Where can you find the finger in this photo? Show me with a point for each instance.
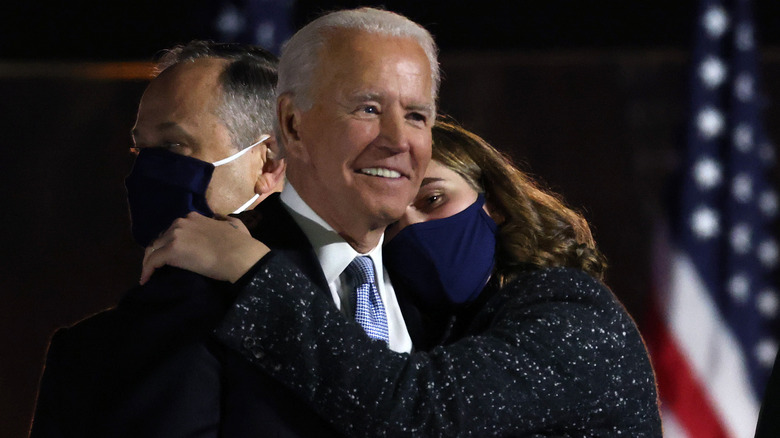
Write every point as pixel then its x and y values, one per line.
pixel 146 274
pixel 155 259
pixel 154 246
pixel 146 267
pixel 149 250
pixel 164 237
pixel 147 264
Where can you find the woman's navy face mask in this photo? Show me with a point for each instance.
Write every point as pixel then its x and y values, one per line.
pixel 445 261
pixel 446 249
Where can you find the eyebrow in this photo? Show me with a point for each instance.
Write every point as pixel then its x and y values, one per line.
pixel 360 96
pixel 430 180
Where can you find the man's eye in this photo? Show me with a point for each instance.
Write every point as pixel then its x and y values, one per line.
pixel 177 148
pixel 167 145
pixel 417 117
pixel 369 109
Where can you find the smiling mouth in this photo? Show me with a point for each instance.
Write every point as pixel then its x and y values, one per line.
pixel 380 172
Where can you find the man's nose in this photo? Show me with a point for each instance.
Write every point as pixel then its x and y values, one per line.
pixel 393 131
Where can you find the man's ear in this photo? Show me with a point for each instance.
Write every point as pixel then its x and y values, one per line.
pixel 289 121
pixel 271 177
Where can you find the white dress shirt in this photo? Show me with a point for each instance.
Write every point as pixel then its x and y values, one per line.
pixel 335 254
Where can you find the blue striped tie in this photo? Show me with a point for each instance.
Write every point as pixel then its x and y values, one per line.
pixel 366 301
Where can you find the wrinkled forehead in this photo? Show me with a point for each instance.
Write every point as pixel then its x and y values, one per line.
pixel 353 53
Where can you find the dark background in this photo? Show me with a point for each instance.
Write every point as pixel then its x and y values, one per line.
pixel 124 30
pixel 588 96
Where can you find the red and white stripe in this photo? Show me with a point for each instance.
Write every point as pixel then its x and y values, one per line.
pixel 702 379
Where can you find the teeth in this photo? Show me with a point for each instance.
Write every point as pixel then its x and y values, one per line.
pixel 377 171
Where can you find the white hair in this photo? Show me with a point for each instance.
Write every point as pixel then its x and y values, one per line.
pixel 300 55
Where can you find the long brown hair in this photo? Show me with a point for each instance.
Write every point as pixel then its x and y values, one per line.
pixel 535 226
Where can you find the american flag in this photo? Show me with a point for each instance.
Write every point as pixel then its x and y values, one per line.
pixel 267 23
pixel 713 332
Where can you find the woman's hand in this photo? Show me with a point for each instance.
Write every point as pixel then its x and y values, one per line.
pixel 221 249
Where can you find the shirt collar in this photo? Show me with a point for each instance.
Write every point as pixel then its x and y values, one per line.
pixel 333 252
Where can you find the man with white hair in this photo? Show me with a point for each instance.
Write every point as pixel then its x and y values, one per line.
pixel 357 95
pixel 357 101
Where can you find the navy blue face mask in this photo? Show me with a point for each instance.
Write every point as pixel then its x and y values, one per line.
pixel 445 261
pixel 164 186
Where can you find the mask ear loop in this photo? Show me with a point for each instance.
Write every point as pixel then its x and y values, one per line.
pixel 247 204
pixel 237 155
pixel 241 152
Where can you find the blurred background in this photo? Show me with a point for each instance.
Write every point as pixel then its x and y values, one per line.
pixel 593 98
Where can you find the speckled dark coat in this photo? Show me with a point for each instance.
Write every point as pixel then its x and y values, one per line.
pixel 552 354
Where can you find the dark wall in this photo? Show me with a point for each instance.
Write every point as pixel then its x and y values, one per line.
pixel 67 250
pixel 135 29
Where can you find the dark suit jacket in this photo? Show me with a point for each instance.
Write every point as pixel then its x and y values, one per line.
pixel 147 367
pixel 151 368
pixel 271 224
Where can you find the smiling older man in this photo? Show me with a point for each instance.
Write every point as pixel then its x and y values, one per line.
pixel 356 132
pixel 357 97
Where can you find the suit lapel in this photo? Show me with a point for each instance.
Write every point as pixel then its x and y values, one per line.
pixel 271 224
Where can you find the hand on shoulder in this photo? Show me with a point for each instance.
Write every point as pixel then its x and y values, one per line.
pixel 221 249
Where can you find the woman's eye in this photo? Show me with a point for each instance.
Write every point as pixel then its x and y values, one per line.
pixel 430 202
